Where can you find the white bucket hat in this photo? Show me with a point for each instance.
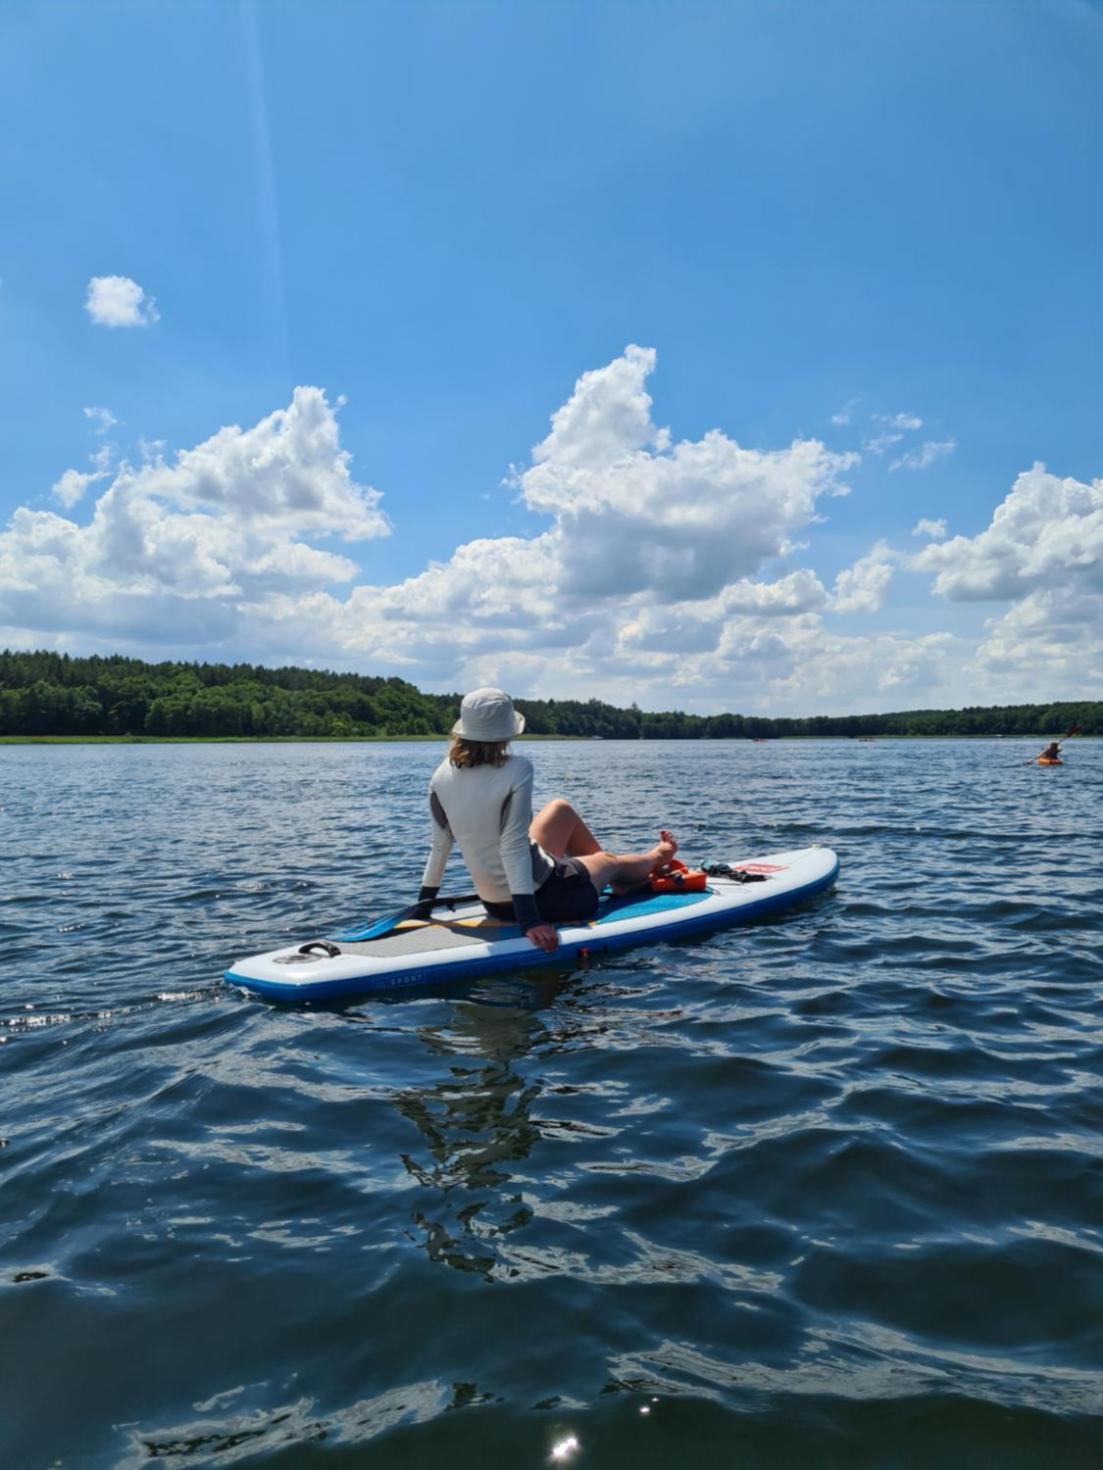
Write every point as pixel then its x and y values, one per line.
pixel 488 714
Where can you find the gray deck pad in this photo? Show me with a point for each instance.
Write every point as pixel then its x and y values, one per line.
pixel 431 937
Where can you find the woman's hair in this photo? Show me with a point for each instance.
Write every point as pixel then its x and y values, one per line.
pixel 465 753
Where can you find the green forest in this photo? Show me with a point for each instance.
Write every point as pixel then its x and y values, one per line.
pixel 51 694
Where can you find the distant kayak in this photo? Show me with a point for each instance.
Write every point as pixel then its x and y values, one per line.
pixel 459 942
pixel 1049 761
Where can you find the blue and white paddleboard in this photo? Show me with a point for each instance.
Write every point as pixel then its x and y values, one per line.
pixel 464 941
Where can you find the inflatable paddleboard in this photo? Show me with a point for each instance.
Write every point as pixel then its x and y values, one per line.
pixel 457 943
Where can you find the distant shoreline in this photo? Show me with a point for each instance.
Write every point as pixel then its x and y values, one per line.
pixel 88 700
pixel 522 740
pixel 245 739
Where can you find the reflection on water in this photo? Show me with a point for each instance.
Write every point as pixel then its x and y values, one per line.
pixel 475 1124
pixel 771 1197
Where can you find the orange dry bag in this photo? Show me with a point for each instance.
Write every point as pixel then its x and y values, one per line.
pixel 677 878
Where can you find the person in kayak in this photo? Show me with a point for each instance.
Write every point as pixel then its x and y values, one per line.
pixel 1052 752
pixel 536 872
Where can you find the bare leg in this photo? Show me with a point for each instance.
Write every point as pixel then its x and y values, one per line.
pixel 561 831
pixel 627 870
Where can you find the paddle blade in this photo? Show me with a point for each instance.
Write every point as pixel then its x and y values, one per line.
pixel 390 922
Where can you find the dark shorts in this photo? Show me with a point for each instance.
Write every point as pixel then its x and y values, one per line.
pixel 567 896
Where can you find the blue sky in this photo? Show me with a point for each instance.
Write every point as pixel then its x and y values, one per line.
pixel 447 214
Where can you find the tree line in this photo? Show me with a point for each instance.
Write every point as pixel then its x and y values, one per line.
pixel 55 694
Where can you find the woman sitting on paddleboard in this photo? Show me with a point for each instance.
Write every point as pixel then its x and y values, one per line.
pixel 535 872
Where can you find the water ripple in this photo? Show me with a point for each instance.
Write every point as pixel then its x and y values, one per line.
pixel 776 1196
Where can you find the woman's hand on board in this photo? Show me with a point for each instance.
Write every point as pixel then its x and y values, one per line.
pixel 545 937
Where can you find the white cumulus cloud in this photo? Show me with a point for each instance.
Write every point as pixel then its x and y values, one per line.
pixel 1043 554
pixel 636 522
pixel 634 511
pixel 70 487
pixel 286 475
pixel 117 301
pixel 936 530
pixel 172 550
pixel 883 671
pixel 863 587
pixel 1047 533
pixel 1057 631
pixel 663 570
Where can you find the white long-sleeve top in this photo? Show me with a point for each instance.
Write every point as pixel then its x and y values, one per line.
pixel 487 810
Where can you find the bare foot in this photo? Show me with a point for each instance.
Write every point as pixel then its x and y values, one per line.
pixel 656 859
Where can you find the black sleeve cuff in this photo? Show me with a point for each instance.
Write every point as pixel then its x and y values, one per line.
pixel 425 902
pixel 525 911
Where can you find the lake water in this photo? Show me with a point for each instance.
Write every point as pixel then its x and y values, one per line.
pixel 826 1191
